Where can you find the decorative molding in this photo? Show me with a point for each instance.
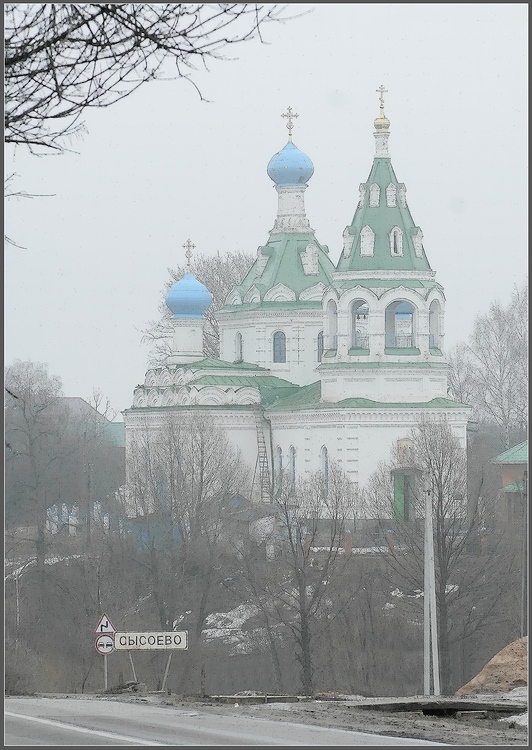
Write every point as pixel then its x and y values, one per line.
pixel 374 195
pixel 348 240
pixel 362 194
pixel 309 259
pixel 261 262
pixel 367 240
pixel 280 293
pixel 252 295
pixel 384 275
pixel 313 293
pixel 417 241
pixel 391 196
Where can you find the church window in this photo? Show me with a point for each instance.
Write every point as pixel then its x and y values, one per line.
pixel 402 196
pixel 391 196
pixel 279 468
pixel 279 347
pixel 367 241
pixel 362 192
pixel 374 195
pixel 325 469
pixel 238 347
pixel 399 321
pixel 359 325
pixel 396 241
pixel 292 467
pixel 320 346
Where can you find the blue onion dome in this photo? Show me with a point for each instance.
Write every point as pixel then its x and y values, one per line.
pixel 290 166
pixel 188 298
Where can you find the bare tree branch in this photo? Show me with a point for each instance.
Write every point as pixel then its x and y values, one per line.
pixel 62 58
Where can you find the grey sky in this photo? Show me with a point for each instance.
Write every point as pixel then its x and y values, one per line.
pixel 163 166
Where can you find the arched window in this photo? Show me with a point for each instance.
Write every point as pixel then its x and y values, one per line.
pixel 396 241
pixel 399 321
pixel 332 325
pixel 359 325
pixel 391 195
pixel 320 346
pixel 292 467
pixel 238 347
pixel 279 347
pixel 325 468
pixel 279 468
pixel 367 241
pixel 374 195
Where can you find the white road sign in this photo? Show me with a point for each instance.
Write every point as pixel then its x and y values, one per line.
pixel 104 644
pixel 104 625
pixel 151 641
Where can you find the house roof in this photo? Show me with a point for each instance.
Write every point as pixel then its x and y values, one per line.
pixel 516 455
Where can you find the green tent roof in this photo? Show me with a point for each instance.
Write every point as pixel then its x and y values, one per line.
pixel 285 266
pixel 382 219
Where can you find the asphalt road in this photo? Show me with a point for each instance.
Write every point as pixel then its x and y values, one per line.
pixel 78 721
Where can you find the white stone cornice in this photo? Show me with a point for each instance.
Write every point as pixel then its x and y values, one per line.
pixel 384 275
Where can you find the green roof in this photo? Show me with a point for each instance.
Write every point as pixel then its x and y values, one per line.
pixel 518 486
pixel 308 397
pixel 516 455
pixel 382 219
pixel 285 266
pixel 211 364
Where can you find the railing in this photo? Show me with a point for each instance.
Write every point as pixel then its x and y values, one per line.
pixel 399 341
pixel 360 341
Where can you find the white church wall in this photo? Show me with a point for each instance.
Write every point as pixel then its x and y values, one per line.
pixel 301 328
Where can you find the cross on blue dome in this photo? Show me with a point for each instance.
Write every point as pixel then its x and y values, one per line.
pixel 290 166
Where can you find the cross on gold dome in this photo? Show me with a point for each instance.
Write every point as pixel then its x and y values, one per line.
pixel 188 245
pixel 290 124
pixel 382 91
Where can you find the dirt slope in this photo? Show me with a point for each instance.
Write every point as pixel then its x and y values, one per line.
pixel 507 670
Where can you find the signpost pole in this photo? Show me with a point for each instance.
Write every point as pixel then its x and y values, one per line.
pixel 105 671
pixel 163 688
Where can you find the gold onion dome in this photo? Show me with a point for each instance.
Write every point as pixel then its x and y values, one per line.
pixel 381 122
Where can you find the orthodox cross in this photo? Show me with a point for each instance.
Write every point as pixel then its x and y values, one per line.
pixel 188 245
pixel 382 91
pixel 290 124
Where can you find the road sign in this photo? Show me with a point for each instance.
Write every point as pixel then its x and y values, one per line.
pixel 104 625
pixel 104 644
pixel 151 641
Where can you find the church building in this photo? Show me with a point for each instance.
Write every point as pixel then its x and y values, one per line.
pixel 319 361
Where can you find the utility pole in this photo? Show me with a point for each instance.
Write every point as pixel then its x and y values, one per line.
pixel 524 560
pixel 430 626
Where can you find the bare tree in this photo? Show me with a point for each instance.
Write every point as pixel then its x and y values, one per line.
pixel 219 274
pixel 35 444
pixel 62 58
pixel 303 585
pixel 471 580
pixel 491 371
pixel 178 477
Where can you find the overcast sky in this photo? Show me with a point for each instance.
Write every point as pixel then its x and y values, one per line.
pixel 162 166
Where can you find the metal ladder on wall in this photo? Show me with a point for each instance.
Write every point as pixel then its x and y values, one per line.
pixel 262 457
